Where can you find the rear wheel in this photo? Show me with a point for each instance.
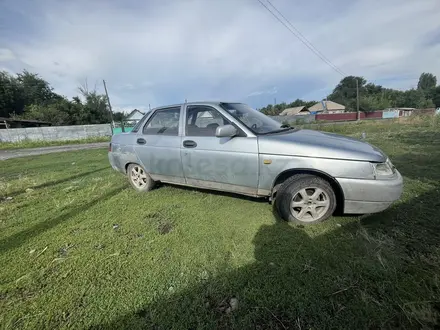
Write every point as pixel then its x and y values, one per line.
pixel 139 178
pixel 305 199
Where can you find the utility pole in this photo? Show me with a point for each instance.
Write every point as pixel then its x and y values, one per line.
pixel 274 101
pixel 109 106
pixel 357 100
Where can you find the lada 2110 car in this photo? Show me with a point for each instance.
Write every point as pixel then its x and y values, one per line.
pixel 232 147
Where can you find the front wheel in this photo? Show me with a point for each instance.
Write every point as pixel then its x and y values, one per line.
pixel 305 199
pixel 139 178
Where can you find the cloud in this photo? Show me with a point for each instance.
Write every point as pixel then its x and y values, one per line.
pixel 6 55
pixel 158 52
pixel 270 91
pixel 6 70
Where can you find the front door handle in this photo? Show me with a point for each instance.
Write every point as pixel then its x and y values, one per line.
pixel 141 141
pixel 189 144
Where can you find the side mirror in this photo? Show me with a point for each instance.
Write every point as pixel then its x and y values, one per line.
pixel 226 131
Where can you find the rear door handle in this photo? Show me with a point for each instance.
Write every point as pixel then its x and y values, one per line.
pixel 141 141
pixel 189 144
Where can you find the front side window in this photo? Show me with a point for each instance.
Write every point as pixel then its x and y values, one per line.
pixel 163 122
pixel 139 123
pixel 203 120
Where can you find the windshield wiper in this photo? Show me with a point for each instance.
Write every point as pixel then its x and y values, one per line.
pixel 282 129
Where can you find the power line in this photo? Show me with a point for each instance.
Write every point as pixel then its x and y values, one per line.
pixel 321 55
pixel 292 29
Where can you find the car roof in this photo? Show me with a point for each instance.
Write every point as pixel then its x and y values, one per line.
pixel 192 103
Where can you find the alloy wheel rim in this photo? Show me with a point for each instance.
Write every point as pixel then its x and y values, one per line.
pixel 309 204
pixel 138 176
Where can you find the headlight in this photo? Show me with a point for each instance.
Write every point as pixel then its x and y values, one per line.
pixel 383 169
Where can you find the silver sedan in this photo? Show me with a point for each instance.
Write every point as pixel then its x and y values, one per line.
pixel 232 147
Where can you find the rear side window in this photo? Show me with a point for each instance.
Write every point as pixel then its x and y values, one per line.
pixel 163 122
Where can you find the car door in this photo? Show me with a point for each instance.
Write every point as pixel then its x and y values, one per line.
pixel 158 145
pixel 227 163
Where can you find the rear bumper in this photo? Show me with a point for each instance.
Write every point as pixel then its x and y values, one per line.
pixel 114 163
pixel 370 196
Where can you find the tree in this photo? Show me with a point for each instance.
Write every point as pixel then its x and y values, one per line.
pixel 436 97
pixel 345 92
pixel 368 103
pixel 415 98
pixel 272 110
pixel 308 104
pixel 11 95
pixel 94 110
pixel 53 113
pixel 296 103
pixel 35 90
pixel 119 116
pixel 427 81
pixel 267 110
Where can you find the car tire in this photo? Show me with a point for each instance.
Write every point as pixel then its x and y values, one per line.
pixel 139 178
pixel 305 199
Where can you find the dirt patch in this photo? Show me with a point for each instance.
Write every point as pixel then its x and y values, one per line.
pixel 163 219
pixel 165 227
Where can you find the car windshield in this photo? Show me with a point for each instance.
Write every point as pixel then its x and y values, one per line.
pixel 253 119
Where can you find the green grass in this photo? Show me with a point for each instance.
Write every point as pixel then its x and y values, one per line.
pixel 43 143
pixel 80 249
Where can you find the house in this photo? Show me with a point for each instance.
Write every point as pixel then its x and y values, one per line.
pixel 405 112
pixel 295 111
pixel 135 116
pixel 327 107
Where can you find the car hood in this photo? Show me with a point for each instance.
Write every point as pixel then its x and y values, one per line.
pixel 308 143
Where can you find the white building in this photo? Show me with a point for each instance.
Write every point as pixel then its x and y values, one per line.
pixel 135 116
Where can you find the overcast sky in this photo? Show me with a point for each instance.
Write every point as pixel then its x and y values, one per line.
pixel 161 52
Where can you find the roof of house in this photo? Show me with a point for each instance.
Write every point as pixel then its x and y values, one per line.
pixel 293 111
pixel 326 106
pixel 134 112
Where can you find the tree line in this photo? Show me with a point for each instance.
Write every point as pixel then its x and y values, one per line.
pixel 28 96
pixel 373 97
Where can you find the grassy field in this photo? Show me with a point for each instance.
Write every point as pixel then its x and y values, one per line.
pixel 80 249
pixel 42 143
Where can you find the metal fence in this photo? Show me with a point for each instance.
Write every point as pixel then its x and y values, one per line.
pixel 350 116
pixel 299 119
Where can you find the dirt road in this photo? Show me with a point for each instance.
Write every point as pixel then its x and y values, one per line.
pixel 15 153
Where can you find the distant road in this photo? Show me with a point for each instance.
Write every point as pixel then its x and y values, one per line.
pixel 16 153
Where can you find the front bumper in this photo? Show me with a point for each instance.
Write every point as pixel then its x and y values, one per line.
pixel 370 196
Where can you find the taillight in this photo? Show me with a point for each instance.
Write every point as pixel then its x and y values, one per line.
pixel 110 147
